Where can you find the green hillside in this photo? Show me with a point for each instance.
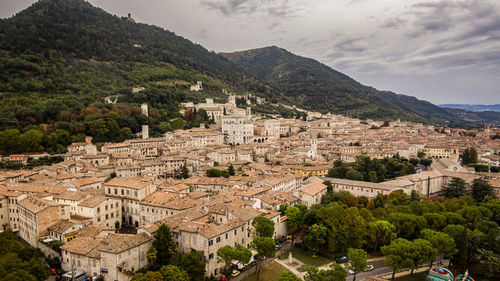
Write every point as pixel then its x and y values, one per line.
pixel 59 59
pixel 319 87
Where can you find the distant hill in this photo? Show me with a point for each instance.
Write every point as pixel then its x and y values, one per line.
pixel 478 118
pixel 319 87
pixel 473 107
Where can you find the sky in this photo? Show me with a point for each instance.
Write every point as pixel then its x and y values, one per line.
pixel 443 51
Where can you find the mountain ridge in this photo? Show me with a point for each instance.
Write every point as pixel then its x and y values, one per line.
pixel 318 86
pixel 472 107
pixel 59 59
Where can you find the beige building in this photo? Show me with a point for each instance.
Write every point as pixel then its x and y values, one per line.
pixel 311 194
pixel 237 130
pixel 36 215
pixel 130 192
pixel 102 209
pixel 116 256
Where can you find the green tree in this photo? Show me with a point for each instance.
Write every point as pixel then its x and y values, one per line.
pixel 226 255
pixel 335 273
pixel 407 225
pixel 455 188
pixel 354 175
pixel 358 261
pixel 242 254
pixel 263 227
pixel 164 245
pixel 295 219
pixel 231 170
pixel 32 140
pixel 460 236
pixel 183 174
pixel 288 276
pixel 315 237
pixel 173 273
pixel 19 275
pixel 426 162
pixel 265 248
pixel 193 263
pixel 442 242
pixel 414 161
pixel 11 141
pixel 373 176
pixel 469 156
pixel 471 214
pixel 148 276
pixel 338 220
pixel 435 221
pixel 421 252
pixel 380 233
pixel 480 189
pixel 398 255
pixel 489 263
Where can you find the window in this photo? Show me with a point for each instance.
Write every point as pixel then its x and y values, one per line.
pixel 210 256
pixel 210 242
pixel 217 240
pixel 226 235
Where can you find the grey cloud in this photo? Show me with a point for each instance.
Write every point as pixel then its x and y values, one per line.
pixel 203 33
pixel 396 22
pixel 266 8
pixel 232 7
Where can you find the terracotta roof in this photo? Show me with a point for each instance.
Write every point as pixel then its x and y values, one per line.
pixel 61 226
pixel 37 205
pixel 314 188
pixel 93 201
pixel 135 183
pixel 71 195
pixel 117 243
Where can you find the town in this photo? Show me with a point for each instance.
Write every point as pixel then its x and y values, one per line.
pixel 104 203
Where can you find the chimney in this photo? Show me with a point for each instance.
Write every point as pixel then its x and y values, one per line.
pixel 88 140
pixel 129 15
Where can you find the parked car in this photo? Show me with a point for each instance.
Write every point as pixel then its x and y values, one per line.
pixel 278 247
pixel 369 267
pixel 223 278
pixel 350 272
pixel 342 259
pixel 235 273
pixel 53 270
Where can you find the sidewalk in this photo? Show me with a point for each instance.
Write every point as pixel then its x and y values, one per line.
pixel 284 263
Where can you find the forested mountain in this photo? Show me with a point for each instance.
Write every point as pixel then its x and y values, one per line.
pixel 60 58
pixel 319 87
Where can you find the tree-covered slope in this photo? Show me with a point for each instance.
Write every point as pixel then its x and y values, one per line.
pixel 319 87
pixel 59 59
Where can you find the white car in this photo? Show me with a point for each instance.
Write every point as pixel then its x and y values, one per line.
pixel 368 268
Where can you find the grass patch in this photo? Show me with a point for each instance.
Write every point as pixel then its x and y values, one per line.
pixel 270 272
pixel 302 268
pixel 307 259
pixel 421 276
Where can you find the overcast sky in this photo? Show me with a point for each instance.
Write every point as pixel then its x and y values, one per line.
pixel 443 51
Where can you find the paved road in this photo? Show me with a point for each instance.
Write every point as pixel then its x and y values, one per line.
pixel 379 268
